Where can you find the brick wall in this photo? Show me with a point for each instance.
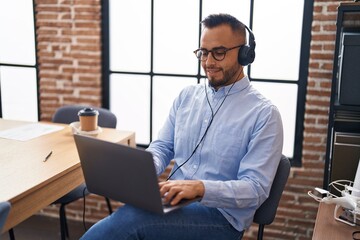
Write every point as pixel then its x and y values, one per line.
pixel 69 58
pixel 69 53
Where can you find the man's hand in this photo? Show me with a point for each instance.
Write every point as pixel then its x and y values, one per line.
pixel 175 190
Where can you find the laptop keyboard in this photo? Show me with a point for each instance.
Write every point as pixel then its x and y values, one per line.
pixel 165 204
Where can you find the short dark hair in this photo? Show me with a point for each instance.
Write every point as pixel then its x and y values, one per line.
pixel 214 20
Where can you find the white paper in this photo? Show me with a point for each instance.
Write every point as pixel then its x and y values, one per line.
pixel 29 131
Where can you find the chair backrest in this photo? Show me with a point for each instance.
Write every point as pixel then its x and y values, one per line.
pixel 265 214
pixel 4 211
pixel 69 114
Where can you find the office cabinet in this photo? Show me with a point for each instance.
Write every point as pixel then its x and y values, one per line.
pixel 343 139
pixel 349 70
pixel 346 156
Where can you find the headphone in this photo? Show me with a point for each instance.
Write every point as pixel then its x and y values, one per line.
pixel 247 52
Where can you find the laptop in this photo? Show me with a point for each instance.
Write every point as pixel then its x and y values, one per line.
pixel 122 173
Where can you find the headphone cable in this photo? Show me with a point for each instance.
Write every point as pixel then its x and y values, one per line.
pixel 84 195
pixel 208 126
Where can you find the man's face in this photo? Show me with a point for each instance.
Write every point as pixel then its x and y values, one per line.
pixel 228 70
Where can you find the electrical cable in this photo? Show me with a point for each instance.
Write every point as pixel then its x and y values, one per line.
pixel 208 126
pixel 85 228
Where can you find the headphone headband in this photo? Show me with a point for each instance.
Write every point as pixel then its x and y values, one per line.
pixel 247 52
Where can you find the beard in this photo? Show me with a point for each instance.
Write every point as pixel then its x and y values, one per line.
pixel 228 78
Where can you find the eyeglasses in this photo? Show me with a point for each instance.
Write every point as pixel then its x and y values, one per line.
pixel 218 53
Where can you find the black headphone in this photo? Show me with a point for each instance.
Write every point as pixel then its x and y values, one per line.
pixel 247 52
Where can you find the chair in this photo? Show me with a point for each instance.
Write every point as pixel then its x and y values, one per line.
pixel 265 214
pixel 68 114
pixel 4 212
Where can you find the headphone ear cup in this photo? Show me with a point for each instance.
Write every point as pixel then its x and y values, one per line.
pixel 246 55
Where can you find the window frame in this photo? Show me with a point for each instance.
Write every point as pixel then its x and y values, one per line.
pixel 35 66
pixel 301 82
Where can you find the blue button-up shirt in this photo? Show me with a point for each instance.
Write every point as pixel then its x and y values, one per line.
pixel 237 159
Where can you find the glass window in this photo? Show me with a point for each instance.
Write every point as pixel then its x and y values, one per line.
pixel 277 41
pixel 18 74
pixel 239 9
pixel 18 85
pixel 174 22
pixel 17 42
pixel 130 35
pixel 130 101
pixel 170 31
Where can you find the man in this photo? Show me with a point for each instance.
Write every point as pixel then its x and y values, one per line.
pixel 226 140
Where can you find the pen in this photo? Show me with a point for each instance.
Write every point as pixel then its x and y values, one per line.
pixel 47 157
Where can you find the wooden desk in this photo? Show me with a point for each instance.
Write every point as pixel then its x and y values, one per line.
pixel 327 228
pixel 31 184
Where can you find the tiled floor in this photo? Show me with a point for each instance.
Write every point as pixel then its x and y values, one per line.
pixel 45 228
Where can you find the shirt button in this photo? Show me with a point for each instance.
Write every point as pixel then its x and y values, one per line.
pixel 205 121
pixel 195 166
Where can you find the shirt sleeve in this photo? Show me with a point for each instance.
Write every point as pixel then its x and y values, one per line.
pixel 162 148
pixel 256 170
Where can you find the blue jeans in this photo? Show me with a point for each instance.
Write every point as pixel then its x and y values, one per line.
pixel 194 221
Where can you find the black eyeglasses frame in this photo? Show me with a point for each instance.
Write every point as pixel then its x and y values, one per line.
pixel 225 50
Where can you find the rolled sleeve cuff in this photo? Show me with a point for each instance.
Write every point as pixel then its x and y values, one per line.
pixel 211 193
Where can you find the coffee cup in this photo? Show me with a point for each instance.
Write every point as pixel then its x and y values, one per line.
pixel 88 119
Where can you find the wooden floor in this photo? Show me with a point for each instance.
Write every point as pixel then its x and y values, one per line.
pixel 45 228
